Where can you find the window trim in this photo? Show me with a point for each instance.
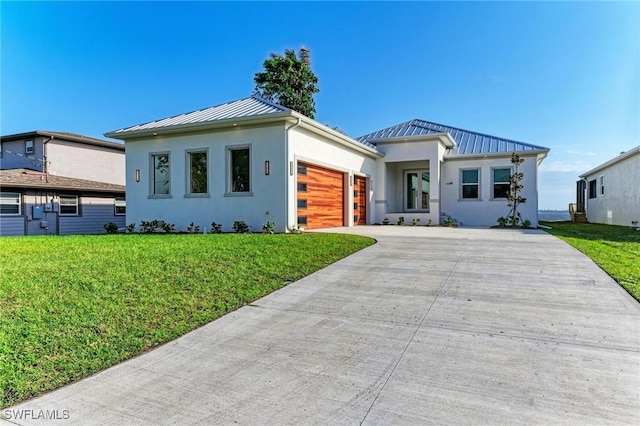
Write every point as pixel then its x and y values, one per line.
pixel 601 186
pixel 76 205
pixel 115 206
pixel 494 183
pixel 19 203
pixel 229 184
pixel 478 184
pixel 27 150
pixel 152 175
pixel 187 191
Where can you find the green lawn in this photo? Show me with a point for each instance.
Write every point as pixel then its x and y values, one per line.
pixel 615 248
pixel 71 306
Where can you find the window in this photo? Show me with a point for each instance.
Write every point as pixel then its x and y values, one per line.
pixel 302 220
pixel 29 147
pixel 240 170
pixel 601 185
pixel 198 174
pixel 302 187
pixel 302 204
pixel 120 207
pixel 302 169
pixel 501 184
pixel 470 184
pixel 417 190
pixel 68 205
pixel 160 170
pixel 592 189
pixel 10 203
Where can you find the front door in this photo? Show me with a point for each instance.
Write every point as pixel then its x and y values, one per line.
pixel 416 190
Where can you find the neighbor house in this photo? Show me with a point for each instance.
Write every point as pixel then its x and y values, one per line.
pixel 255 161
pixel 60 183
pixel 611 190
pixel 64 154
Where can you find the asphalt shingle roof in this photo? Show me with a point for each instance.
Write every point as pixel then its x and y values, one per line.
pixel 247 107
pixel 467 142
pixel 24 178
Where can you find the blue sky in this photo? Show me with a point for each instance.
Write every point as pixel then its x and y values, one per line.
pixel 561 75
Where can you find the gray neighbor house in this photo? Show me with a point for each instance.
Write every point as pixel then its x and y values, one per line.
pixel 60 183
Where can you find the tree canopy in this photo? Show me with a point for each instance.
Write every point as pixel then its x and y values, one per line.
pixel 289 81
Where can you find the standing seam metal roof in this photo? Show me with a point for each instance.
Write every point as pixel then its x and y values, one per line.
pixel 467 142
pixel 247 107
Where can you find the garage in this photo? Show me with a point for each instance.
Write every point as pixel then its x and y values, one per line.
pixel 320 197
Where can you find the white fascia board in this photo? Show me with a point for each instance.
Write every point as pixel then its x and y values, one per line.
pixel 624 156
pixel 338 137
pixel 540 154
pixel 190 127
pixel 443 137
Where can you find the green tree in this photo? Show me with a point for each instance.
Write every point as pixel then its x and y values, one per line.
pixel 289 81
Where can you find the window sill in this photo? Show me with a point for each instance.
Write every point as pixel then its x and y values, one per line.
pixel 159 196
pixel 238 194
pixel 503 199
pixel 464 200
pixel 197 195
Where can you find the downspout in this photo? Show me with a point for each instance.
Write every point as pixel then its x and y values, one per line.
pixel 287 170
pixel 45 160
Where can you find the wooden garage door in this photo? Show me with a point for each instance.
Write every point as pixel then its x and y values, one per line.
pixel 320 197
pixel 359 200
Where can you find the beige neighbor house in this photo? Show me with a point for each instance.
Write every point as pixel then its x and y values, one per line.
pixel 610 193
pixel 60 183
pixel 255 161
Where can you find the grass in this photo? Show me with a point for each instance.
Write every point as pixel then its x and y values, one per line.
pixel 616 249
pixel 71 306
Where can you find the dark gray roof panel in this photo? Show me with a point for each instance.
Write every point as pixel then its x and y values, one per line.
pixel 246 107
pixel 467 142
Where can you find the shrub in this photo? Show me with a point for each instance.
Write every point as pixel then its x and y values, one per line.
pixel 415 221
pixel 193 228
pixel 240 227
pixel 296 230
pixel 111 228
pixel 526 223
pixel 385 221
pixel 502 221
pixel 216 228
pixel 401 220
pixel 269 227
pixel 131 228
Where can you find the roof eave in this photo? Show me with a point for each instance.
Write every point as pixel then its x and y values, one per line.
pixel 61 187
pixel 629 153
pixel 205 125
pixel 541 154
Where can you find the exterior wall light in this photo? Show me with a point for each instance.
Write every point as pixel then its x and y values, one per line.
pixel 267 168
pixel 137 175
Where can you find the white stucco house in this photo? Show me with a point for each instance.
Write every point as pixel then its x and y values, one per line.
pixel 255 161
pixel 611 190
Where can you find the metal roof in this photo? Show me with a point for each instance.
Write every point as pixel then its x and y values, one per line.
pixel 25 178
pixel 73 137
pixel 247 107
pixel 467 142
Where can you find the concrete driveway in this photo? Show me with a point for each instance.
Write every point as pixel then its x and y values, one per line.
pixel 428 326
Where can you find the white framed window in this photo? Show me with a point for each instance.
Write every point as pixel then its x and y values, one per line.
pixel 120 207
pixel 601 185
pixel 160 174
pixel 68 205
pixel 239 170
pixel 10 204
pixel 197 172
pixel 29 147
pixel 501 182
pixel 470 184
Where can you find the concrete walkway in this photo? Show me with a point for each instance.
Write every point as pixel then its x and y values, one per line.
pixel 428 326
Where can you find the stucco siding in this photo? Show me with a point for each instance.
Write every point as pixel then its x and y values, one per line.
pixel 265 202
pixel 15 157
pixel 620 204
pixel 95 212
pixel 308 147
pixel 11 226
pixel 89 162
pixel 485 210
